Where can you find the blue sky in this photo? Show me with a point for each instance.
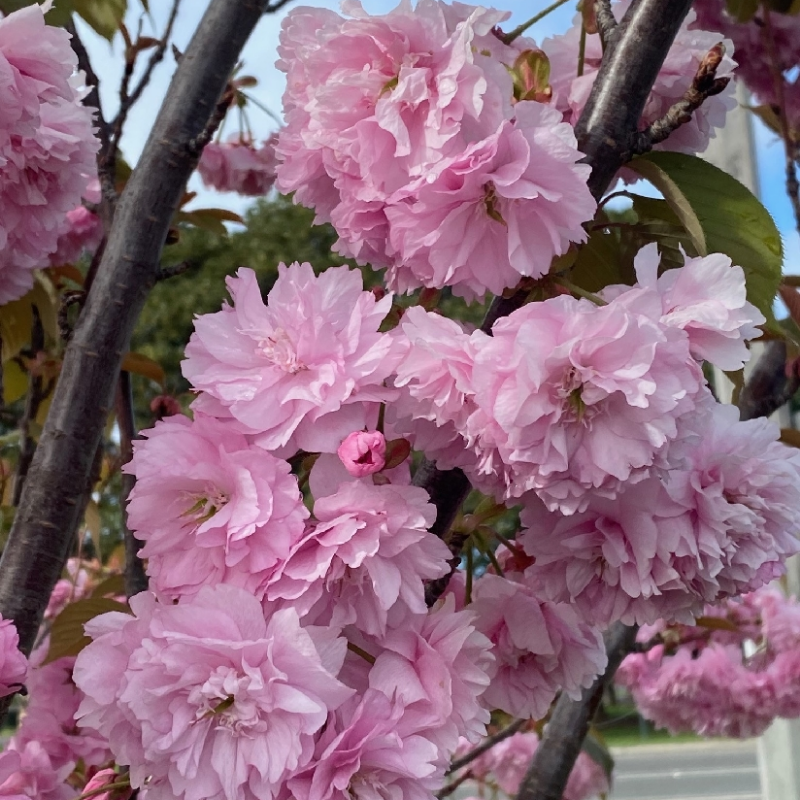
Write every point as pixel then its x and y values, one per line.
pixel 259 57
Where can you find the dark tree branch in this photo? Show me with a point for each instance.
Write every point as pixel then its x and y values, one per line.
pixel 33 401
pixel 630 65
pixel 93 98
pixel 563 737
pixel 135 576
pixel 768 386
pixel 487 744
pixel 52 502
pixel 704 85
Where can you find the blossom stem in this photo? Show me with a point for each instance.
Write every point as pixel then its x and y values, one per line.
pixel 354 648
pixel 576 290
pixel 109 787
pixel 468 586
pixel 520 29
pixel 582 51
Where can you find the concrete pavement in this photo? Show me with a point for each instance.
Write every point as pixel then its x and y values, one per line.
pixel 725 770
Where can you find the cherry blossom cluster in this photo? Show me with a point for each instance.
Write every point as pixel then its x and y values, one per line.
pixel 504 766
pixel 238 165
pixel 731 674
pixel 42 757
pixel 47 145
pixel 305 634
pixel 405 132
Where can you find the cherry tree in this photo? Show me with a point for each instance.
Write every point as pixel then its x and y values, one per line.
pixel 380 551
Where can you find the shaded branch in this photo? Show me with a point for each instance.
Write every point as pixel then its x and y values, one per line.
pixel 54 496
pixel 606 21
pixel 704 85
pixel 135 576
pixel 33 401
pixel 768 387
pixel 563 737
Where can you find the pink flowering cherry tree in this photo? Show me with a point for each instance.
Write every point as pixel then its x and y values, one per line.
pixel 377 550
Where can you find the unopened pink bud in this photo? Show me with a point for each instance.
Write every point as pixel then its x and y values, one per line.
pixel 363 453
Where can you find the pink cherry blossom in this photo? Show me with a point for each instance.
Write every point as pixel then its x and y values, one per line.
pixel 238 165
pixel 742 487
pixel 68 589
pixel 47 144
pixel 540 648
pixel 706 298
pixel 396 123
pixel 363 453
pixel 83 233
pixel 710 692
pixel 14 665
pixel 498 211
pixel 49 718
pixel 365 557
pixel 438 667
pixel 435 383
pixel 302 367
pixel 210 508
pixel 674 78
pixel 593 407
pixel 205 698
pixel 720 526
pixel 26 773
pixel 365 753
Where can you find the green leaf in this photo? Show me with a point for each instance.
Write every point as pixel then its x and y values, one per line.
pixel 15 382
pixel 599 262
pixel 114 584
pixel 209 219
pixel 104 16
pixel 742 10
pixel 677 199
pixel 141 364
pixel 66 635
pixel 657 222
pixel 732 219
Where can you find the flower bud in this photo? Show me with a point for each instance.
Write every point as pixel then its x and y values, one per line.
pixel 363 453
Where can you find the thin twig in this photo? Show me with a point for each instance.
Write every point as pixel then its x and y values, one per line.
pixel 93 98
pixel 128 100
pixel 704 85
pixel 449 788
pixel 487 744
pixel 520 29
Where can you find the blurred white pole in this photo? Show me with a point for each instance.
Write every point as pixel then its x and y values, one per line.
pixel 779 748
